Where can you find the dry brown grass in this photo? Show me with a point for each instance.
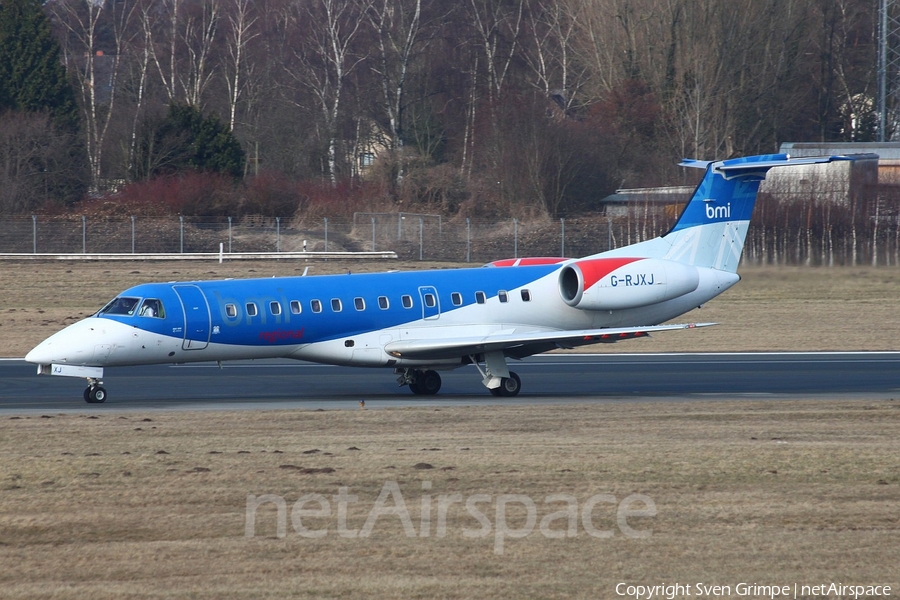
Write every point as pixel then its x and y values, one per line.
pixel 115 504
pixel 773 308
pixel 149 506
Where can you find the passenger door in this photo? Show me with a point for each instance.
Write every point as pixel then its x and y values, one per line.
pixel 196 317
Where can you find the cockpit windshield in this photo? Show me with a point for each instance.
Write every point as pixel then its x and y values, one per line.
pixel 152 307
pixel 120 306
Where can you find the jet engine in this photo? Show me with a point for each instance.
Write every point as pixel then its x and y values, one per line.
pixel 619 283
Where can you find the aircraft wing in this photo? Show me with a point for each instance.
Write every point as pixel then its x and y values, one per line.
pixel 519 344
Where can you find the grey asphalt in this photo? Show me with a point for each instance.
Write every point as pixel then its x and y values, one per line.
pixel 545 379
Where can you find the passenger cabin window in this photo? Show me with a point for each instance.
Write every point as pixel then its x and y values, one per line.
pixel 230 310
pixel 503 296
pixel 336 305
pixel 295 307
pixel 315 305
pixel 120 306
pixel 429 300
pixel 152 307
pixel 406 301
pixel 359 303
pixel 383 303
pixel 479 297
pixel 456 299
pixel 275 307
pixel 526 296
pixel 251 309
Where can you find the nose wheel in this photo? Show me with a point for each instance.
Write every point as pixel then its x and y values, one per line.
pixel 95 393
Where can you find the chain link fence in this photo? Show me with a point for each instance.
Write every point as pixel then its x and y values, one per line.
pixel 412 236
pixel 427 237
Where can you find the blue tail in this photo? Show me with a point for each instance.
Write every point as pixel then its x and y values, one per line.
pixel 713 226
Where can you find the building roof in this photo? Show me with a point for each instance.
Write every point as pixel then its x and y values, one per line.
pixel 887 151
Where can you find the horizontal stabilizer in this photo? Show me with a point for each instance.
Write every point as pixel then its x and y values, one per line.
pixel 753 163
pixel 695 164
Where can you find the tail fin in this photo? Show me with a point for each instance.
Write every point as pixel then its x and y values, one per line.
pixel 711 230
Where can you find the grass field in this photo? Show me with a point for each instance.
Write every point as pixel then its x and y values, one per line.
pixel 155 505
pixel 773 308
pixel 110 504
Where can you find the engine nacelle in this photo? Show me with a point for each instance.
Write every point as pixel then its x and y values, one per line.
pixel 619 283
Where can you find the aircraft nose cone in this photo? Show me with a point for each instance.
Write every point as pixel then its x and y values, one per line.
pixel 39 355
pixel 72 345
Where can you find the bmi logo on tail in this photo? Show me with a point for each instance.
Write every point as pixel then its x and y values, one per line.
pixel 717 212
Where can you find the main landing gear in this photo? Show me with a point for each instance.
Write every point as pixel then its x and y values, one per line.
pixel 421 383
pixel 94 393
pixel 496 377
pixel 509 386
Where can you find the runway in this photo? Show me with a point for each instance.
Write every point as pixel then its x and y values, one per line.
pixel 559 378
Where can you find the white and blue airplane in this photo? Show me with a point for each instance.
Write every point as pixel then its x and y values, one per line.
pixel 421 322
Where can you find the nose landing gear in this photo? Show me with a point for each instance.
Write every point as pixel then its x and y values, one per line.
pixel 94 393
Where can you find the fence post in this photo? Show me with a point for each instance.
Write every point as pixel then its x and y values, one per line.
pixel 277 234
pixel 132 234
pixel 83 234
pixel 421 224
pixel 468 240
pixel 34 232
pixel 373 234
pixel 609 233
pixel 181 220
pixel 515 238
pixel 562 244
pixel 229 235
pixel 326 234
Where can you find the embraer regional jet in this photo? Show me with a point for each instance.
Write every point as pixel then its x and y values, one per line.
pixel 421 322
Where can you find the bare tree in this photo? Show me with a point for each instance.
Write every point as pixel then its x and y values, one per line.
pixel 497 31
pixel 96 65
pixel 36 163
pixel 598 46
pixel 327 30
pixel 397 25
pixel 200 26
pixel 550 55
pixel 183 45
pixel 142 53
pixel 240 33
pixel 165 38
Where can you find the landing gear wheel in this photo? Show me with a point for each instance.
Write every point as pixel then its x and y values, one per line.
pixel 426 383
pixel 510 386
pixel 494 391
pixel 95 395
pixel 430 383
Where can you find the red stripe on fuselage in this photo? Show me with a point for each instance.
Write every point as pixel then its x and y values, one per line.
pixel 595 270
pixel 528 261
